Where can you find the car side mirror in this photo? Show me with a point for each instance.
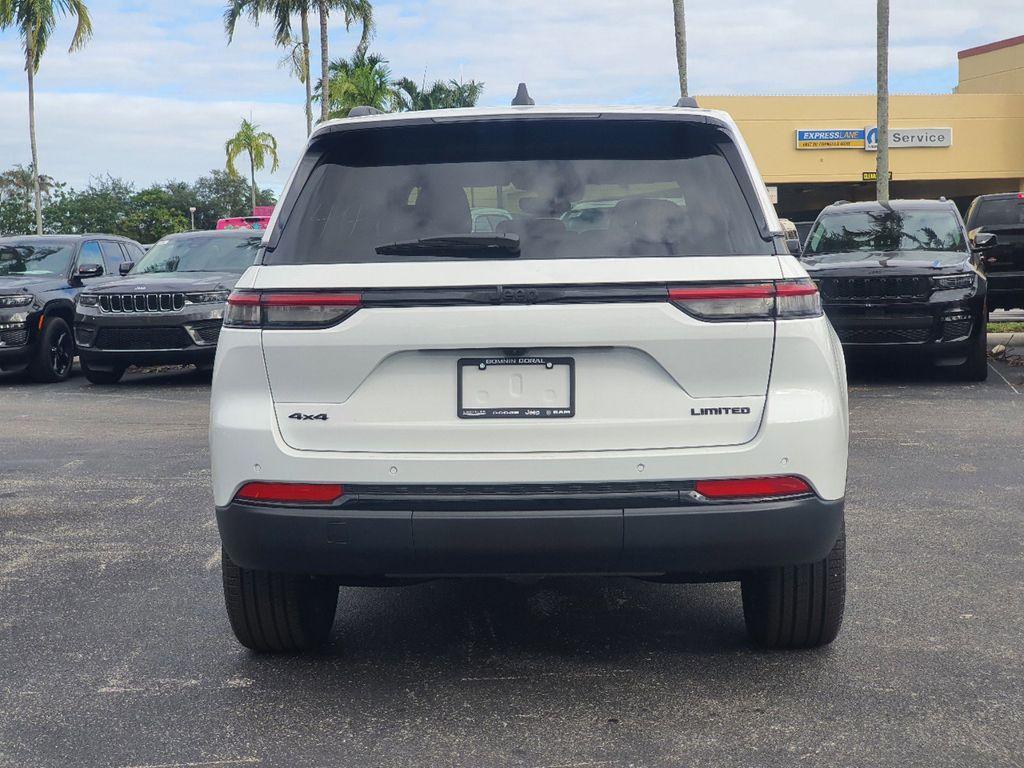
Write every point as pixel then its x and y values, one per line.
pixel 90 270
pixel 983 240
pixel 794 247
pixel 125 267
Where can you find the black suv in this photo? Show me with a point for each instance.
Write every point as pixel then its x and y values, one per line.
pixel 995 224
pixel 39 279
pixel 902 277
pixel 169 310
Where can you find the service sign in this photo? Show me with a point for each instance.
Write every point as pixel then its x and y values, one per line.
pixel 830 138
pixel 910 138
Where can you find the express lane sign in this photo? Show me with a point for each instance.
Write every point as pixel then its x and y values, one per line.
pixel 831 138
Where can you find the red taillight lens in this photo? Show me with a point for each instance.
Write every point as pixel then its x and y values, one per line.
pixel 748 301
pixel 752 487
pixel 291 493
pixel 307 309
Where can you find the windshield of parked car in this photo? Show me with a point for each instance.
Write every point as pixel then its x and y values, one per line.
pixel 1005 212
pixel 198 253
pixel 580 188
pixel 886 231
pixel 35 258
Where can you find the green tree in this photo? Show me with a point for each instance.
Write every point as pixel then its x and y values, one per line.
pixel 440 95
pixel 102 206
pixel 282 12
pixel 359 81
pixel 259 145
pixel 35 21
pixel 219 195
pixel 152 214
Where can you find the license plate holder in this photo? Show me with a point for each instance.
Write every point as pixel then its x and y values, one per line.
pixel 491 383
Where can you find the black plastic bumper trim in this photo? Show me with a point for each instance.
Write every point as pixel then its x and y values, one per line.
pixel 436 542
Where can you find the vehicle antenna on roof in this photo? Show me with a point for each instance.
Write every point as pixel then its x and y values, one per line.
pixel 687 101
pixel 523 98
pixel 363 111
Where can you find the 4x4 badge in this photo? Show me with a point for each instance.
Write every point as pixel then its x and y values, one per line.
pixel 308 416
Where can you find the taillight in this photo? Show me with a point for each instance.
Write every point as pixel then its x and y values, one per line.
pixel 748 301
pixel 290 493
pixel 280 309
pixel 752 487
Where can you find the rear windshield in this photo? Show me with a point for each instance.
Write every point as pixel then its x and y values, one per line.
pixel 35 258
pixel 565 188
pixel 881 231
pixel 1005 212
pixel 211 253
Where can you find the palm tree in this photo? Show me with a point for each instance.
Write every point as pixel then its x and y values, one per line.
pixel 35 21
pixel 353 10
pixel 357 82
pixel 882 98
pixel 282 11
pixel 679 13
pixel 440 95
pixel 259 145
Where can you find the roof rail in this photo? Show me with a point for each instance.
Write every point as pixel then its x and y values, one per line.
pixel 687 101
pixel 522 97
pixel 363 111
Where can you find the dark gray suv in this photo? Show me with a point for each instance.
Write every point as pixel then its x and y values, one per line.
pixel 169 309
pixel 40 276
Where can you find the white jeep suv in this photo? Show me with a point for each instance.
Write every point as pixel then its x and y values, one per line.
pixel 657 394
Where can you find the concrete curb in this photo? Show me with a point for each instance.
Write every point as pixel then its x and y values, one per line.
pixel 1013 340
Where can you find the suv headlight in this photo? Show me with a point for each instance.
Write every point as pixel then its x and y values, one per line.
pixel 207 297
pixel 88 299
pixel 21 300
pixel 953 282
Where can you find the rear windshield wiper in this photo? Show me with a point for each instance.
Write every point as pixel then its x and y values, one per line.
pixel 468 246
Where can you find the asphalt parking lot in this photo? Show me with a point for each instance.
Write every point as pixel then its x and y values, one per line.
pixel 115 651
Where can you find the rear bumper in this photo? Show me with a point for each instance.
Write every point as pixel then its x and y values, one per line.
pixel 705 539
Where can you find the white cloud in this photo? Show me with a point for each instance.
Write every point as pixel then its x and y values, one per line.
pixel 157 91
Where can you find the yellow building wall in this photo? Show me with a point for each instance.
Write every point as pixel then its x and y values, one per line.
pixel 997 71
pixel 988 135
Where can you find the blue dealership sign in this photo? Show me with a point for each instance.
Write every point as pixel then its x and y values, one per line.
pixel 830 138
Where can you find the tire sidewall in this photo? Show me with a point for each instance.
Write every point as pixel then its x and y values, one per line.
pixel 42 367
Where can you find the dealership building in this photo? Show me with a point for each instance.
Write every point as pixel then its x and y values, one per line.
pixel 814 150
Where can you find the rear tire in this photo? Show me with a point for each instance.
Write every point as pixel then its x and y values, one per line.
pixel 54 354
pixel 797 606
pixel 278 612
pixel 976 366
pixel 99 376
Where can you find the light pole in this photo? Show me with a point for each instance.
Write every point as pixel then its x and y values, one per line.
pixel 192 215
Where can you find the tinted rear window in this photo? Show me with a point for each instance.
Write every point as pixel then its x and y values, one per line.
pixel 1005 212
pixel 566 188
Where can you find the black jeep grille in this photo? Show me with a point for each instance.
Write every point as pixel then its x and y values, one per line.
pixel 142 338
pixel 142 302
pixel 867 288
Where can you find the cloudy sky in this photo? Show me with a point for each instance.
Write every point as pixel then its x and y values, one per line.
pixel 157 90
